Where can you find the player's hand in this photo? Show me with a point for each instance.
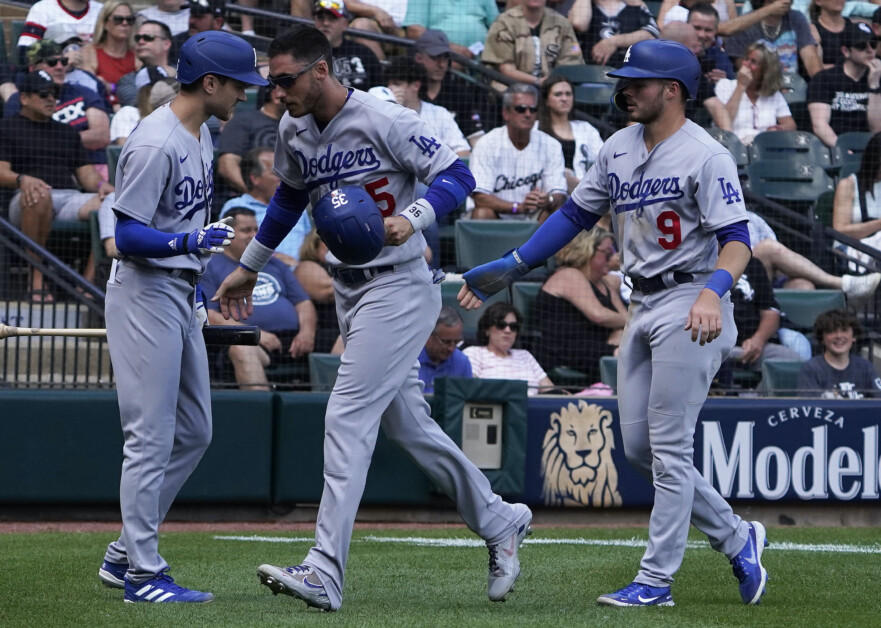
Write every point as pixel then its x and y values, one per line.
pixel 302 344
pixel 603 51
pixel 201 312
pixel 487 279
pixel 211 238
pixel 705 317
pixel 33 189
pixel 234 294
pixel 397 230
pixel 752 349
pixel 467 299
pixel 269 341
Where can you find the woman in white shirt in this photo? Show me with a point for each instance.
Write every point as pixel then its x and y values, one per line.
pixel 753 99
pixel 497 332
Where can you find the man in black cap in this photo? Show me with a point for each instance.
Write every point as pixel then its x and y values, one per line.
pixel 470 106
pixel 847 97
pixel 205 15
pixel 40 158
pixel 354 64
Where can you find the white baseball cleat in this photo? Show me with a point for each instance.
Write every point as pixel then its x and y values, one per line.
pixel 299 581
pixel 504 565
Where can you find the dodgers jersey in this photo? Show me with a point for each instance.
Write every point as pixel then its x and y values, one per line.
pixel 164 179
pixel 665 204
pixel 380 146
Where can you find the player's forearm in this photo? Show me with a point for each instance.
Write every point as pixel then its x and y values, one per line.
pixel 733 258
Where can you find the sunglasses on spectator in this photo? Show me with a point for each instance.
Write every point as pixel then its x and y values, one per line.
pixel 123 19
pixel 862 45
pixel 53 61
pixel 524 109
pixel 148 38
pixel 47 93
pixel 515 326
pixel 287 80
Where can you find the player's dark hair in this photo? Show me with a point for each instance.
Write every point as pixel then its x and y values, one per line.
pixel 834 320
pixel 235 212
pixel 404 69
pixel 493 315
pixel 544 112
pixel 304 43
pixel 870 165
pixel 704 8
pixel 251 164
pixel 195 86
pixel 166 32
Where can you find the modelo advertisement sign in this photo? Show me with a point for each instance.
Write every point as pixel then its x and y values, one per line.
pixel 749 449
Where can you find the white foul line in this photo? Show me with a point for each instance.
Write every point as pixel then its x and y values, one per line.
pixel 632 542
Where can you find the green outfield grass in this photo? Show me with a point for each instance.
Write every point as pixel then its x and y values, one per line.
pixel 49 579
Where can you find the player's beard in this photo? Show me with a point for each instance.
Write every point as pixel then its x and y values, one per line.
pixel 650 110
pixel 310 101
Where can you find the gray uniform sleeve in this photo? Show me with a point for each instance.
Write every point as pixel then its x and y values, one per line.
pixel 285 165
pixel 147 169
pixel 718 193
pixel 417 148
pixel 592 192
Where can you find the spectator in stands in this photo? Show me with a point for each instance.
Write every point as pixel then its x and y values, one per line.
pixel 527 42
pixel 262 182
pixel 313 273
pixel 758 319
pixel 847 97
pixel 175 14
pixel 714 62
pixel 77 106
pixel 378 16
pixel 827 26
pixel 111 54
pixel 205 15
pixel 614 27
pixel 354 64
pixel 494 356
pixel 753 100
pixel 282 309
pixel 80 15
pixel 152 43
pixel 247 130
pixel 580 140
pixel 66 36
pixel 579 311
pixel 470 106
pixel 405 78
pixel 41 159
pixel 150 97
pixel 788 34
pixel 792 271
pixel 729 22
pixel 441 356
pixel 465 22
pixel 836 373
pixel 857 208
pixel 519 170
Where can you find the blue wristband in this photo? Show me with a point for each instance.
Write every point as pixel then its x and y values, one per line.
pixel 720 282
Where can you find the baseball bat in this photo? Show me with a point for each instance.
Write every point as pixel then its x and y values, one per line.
pixel 213 334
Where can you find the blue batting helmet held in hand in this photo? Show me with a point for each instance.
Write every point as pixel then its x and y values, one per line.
pixel 349 223
pixel 219 53
pixel 661 59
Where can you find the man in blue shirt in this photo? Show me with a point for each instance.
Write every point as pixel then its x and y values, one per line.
pixel 441 357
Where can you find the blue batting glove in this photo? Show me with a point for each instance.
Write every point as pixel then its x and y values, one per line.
pixel 210 238
pixel 487 279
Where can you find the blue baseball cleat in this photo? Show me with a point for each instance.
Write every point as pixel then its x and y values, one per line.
pixel 112 575
pixel 747 565
pixel 162 589
pixel 636 594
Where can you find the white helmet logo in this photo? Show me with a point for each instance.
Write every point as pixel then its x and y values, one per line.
pixel 627 56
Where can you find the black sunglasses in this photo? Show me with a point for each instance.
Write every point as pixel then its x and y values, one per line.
pixel 515 326
pixel 287 80
pixel 53 61
pixel 524 109
pixel 47 93
pixel 862 45
pixel 123 19
pixel 147 38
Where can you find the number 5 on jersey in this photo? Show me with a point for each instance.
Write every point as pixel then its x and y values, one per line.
pixel 373 189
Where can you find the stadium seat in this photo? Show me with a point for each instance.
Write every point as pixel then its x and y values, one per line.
pixel 730 141
pixel 780 377
pixel 796 183
pixel 799 146
pixel 585 74
pixel 481 241
pixel 323 368
pixel 4 56
pixel 564 376
pixel 609 371
pixel 113 152
pixel 848 151
pixel 823 208
pixel 795 88
pixel 592 89
pixel 523 297
pixel 449 289
pixel 803 306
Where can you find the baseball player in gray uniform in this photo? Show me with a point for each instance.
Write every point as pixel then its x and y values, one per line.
pixel 333 136
pixel 163 204
pixel 681 227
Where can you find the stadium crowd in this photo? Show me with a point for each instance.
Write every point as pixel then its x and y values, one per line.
pixel 84 73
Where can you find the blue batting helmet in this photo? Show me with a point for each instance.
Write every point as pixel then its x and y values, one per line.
pixel 659 58
pixel 350 224
pixel 220 53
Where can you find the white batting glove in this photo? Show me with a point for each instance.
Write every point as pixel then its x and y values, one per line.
pixel 201 312
pixel 211 238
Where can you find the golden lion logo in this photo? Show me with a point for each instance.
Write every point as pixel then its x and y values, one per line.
pixel 577 458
